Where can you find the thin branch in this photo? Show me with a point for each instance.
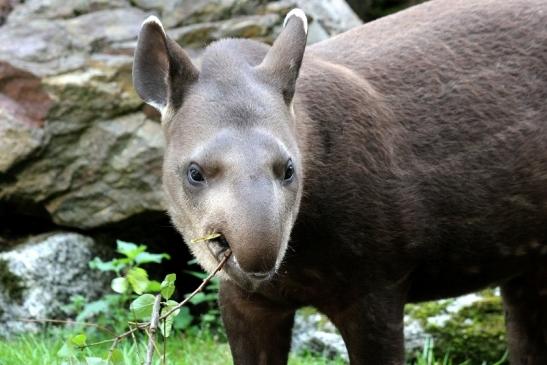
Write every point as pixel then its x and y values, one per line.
pixel 66 321
pixel 136 343
pixel 152 330
pixel 111 350
pixel 119 337
pixel 164 352
pixel 201 286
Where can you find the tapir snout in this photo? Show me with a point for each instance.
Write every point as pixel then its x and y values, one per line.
pixel 251 226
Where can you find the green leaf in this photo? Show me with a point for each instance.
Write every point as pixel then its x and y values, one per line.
pixel 167 324
pixel 168 286
pixel 146 257
pixel 96 361
pixel 117 357
pixel 120 285
pixel 79 340
pixel 130 250
pixel 153 286
pixel 98 264
pixel 138 278
pixel 142 307
pixel 125 248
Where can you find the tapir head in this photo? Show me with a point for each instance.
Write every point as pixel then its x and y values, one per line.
pixel 232 162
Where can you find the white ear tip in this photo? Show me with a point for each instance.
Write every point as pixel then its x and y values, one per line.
pixel 152 19
pixel 299 13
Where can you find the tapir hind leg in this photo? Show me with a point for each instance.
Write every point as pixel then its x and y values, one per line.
pixel 525 301
pixel 372 328
pixel 259 332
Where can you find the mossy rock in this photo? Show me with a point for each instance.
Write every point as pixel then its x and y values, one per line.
pixel 474 332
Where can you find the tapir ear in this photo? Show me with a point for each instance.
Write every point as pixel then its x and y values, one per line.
pixel 282 62
pixel 162 71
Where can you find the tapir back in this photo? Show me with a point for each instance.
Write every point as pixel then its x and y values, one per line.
pixel 450 97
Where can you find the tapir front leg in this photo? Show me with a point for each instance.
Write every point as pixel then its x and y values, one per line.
pixel 259 332
pixel 372 328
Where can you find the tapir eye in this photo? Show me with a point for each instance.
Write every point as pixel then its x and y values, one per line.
pixel 289 172
pixel 195 176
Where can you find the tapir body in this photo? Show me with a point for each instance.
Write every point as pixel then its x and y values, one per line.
pixel 402 161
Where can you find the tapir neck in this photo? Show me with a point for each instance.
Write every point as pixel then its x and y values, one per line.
pixel 350 146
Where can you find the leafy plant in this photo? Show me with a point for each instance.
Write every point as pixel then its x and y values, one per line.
pixel 138 303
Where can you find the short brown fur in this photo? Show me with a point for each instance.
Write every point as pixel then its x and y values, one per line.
pixel 423 173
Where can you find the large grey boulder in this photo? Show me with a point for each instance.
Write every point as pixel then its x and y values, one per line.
pixel 106 172
pixel 100 160
pixel 39 276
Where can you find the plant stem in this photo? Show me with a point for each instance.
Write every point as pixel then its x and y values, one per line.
pixel 152 330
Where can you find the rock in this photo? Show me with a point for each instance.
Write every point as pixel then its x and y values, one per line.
pixel 326 17
pixel 95 174
pixel 23 108
pixel 6 6
pixel 313 332
pixel 261 27
pixel 98 29
pixel 60 9
pixel 42 47
pixel 329 17
pixel 100 159
pixel 181 12
pixel 38 277
pixel 19 141
pixel 22 94
pixel 102 89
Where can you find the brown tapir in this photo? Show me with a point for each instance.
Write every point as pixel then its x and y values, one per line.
pixel 402 161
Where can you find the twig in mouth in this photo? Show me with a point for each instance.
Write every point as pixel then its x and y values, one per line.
pixel 208 237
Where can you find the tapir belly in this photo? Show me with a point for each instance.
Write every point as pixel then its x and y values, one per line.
pixel 437 280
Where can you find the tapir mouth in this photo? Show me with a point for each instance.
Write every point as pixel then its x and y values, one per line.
pixel 218 247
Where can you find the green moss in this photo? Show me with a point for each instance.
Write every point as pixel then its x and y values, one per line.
pixel 475 333
pixel 422 312
pixel 10 283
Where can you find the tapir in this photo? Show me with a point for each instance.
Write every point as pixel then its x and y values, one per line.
pixel 401 161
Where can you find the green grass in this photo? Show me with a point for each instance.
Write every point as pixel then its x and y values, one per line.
pixel 202 349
